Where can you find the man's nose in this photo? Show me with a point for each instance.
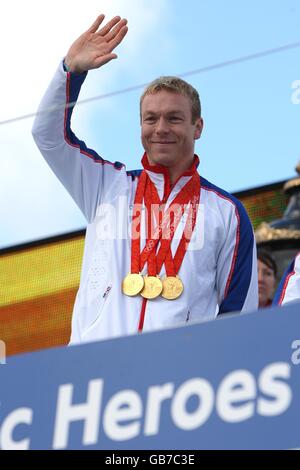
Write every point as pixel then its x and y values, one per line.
pixel 162 126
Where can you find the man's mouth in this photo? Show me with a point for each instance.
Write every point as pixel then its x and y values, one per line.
pixel 162 142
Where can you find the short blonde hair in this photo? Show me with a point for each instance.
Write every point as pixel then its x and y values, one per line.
pixel 175 85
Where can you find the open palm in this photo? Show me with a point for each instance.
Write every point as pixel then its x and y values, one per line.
pixel 94 48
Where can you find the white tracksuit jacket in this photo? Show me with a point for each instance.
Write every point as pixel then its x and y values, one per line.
pixel 289 287
pixel 219 270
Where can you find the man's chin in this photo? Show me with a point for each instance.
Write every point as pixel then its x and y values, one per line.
pixel 164 160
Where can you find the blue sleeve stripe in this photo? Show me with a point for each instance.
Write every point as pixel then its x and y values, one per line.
pixel 134 174
pixel 281 290
pixel 240 274
pixel 234 258
pixel 73 86
pixel 241 270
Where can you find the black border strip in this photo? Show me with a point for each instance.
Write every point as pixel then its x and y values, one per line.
pixel 43 241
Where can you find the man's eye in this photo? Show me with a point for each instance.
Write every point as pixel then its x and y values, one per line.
pixel 149 119
pixel 175 118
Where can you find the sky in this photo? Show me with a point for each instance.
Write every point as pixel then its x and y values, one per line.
pixel 251 109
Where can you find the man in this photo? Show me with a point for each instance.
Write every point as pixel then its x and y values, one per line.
pixel 190 252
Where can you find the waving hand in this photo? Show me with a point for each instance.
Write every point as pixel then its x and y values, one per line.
pixel 94 48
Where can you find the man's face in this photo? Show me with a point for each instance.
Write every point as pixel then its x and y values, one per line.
pixel 168 135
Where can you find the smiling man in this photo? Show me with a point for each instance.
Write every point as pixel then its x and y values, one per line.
pixel 185 252
pixel 171 122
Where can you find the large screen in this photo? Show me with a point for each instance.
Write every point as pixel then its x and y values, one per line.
pixel 264 204
pixel 37 291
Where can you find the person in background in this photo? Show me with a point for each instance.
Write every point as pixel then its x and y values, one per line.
pixel 266 271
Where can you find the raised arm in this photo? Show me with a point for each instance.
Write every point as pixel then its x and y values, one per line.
pixel 86 175
pixel 94 48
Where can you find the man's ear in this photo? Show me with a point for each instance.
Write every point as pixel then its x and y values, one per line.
pixel 198 128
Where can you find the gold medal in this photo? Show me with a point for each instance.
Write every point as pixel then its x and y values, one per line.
pixel 172 288
pixel 152 287
pixel 132 284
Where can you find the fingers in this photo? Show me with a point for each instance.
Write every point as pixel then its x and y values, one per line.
pixel 103 60
pixel 96 24
pixel 106 29
pixel 113 33
pixel 119 38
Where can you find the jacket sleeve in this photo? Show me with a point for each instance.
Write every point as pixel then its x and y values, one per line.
pixel 237 264
pixel 85 175
pixel 289 286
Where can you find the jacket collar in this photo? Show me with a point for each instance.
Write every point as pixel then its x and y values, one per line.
pixel 159 175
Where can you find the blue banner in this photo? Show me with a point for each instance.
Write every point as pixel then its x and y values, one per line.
pixel 233 383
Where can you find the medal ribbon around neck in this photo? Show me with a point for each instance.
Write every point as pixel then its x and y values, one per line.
pixel 165 254
pixel 134 283
pixel 172 285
